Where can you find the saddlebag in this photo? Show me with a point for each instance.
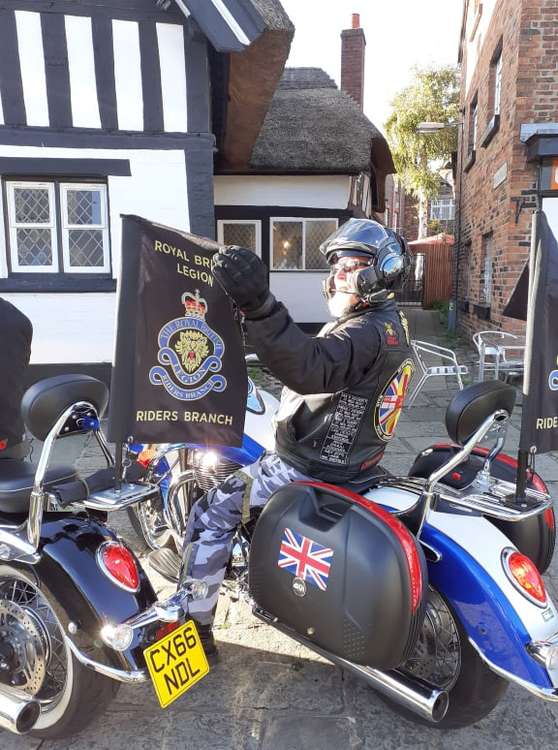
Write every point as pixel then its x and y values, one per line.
pixel 340 571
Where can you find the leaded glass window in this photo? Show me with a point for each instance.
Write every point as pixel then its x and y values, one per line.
pixel 32 226
pixel 57 227
pixel 242 232
pixel 85 228
pixel 296 243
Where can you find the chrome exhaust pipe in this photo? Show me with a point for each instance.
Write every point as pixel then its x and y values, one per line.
pixel 413 694
pixel 18 711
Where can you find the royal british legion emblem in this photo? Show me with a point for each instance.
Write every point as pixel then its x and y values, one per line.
pixel 190 351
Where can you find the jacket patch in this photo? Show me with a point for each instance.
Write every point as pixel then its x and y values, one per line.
pixel 390 401
pixel 405 326
pixel 391 335
pixel 343 428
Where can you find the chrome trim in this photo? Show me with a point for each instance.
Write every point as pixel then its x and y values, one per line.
pixel 434 552
pixel 38 497
pixel 491 501
pixel 132 677
pixel 541 651
pixel 507 552
pixel 174 505
pixel 104 446
pixel 106 571
pixel 422 699
pixel 547 694
pixel 427 499
pixel 118 499
pixel 14 539
pixel 18 711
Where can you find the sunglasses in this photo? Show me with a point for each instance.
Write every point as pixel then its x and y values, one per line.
pixel 348 265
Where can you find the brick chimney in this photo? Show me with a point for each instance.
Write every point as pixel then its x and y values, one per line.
pixel 353 45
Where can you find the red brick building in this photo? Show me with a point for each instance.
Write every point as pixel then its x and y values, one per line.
pixel 508 141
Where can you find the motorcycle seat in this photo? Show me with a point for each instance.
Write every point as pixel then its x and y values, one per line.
pixel 362 484
pixel 16 482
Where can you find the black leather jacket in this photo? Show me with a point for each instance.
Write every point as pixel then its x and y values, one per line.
pixel 16 333
pixel 344 388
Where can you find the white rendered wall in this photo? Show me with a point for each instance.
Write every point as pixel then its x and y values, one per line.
pixel 309 192
pixel 80 327
pixel 69 327
pixel 301 293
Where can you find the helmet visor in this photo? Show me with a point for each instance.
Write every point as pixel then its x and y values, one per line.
pixel 362 235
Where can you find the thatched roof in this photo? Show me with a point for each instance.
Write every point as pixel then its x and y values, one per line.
pixel 273 14
pixel 312 126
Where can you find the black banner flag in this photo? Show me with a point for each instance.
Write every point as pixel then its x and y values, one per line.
pixel 539 424
pixel 179 374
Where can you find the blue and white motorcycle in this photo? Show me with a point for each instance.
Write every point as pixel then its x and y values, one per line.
pixel 488 619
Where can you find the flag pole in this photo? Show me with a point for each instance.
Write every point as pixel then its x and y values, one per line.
pixel 524 455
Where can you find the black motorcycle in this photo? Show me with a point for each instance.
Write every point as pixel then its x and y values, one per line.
pixel 78 615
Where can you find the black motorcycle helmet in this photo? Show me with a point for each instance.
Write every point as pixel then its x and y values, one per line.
pixel 387 255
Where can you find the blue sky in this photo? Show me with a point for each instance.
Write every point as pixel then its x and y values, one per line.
pixel 400 34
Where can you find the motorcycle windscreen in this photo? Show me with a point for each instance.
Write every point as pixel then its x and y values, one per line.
pixel 179 373
pixel 337 570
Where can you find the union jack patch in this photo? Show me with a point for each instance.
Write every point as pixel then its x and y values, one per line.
pixel 305 559
pixel 390 402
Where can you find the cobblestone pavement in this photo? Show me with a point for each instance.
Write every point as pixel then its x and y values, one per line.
pixel 268 693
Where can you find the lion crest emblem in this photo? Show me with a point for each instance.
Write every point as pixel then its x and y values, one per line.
pixel 190 354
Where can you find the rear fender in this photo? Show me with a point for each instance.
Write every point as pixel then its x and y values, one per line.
pixel 80 593
pixel 497 618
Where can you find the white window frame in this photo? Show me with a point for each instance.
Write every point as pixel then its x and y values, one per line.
pixel 498 84
pixel 487 260
pixel 257 222
pixel 442 203
pixel 304 220
pixel 65 188
pixel 14 226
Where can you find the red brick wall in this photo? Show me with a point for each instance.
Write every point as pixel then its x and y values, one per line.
pixel 353 45
pixel 529 33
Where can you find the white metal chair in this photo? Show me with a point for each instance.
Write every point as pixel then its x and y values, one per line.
pixel 424 353
pixel 499 351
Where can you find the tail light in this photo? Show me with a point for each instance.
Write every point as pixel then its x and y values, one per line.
pixel 165 630
pixel 548 516
pixel 118 564
pixel 524 575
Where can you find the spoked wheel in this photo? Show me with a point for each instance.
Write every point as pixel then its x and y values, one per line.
pixel 35 658
pixel 150 524
pixel 444 658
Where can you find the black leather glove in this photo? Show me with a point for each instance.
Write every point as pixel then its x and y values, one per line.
pixel 243 276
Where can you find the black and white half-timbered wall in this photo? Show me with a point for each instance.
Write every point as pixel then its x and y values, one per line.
pixel 110 107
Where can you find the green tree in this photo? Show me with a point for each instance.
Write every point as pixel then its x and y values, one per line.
pixel 432 96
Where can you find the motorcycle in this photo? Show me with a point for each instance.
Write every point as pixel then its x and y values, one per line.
pixel 410 586
pixel 68 583
pixel 488 620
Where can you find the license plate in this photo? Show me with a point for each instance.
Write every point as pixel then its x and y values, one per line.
pixel 176 663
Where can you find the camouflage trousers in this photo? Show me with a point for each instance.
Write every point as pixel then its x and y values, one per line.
pixel 214 519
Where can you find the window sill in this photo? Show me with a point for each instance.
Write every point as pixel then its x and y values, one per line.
pixel 471 159
pixel 491 130
pixel 54 283
pixel 482 311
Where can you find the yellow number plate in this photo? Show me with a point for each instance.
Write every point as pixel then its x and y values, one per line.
pixel 176 663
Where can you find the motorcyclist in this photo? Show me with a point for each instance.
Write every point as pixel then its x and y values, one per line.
pixel 16 333
pixel 343 393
